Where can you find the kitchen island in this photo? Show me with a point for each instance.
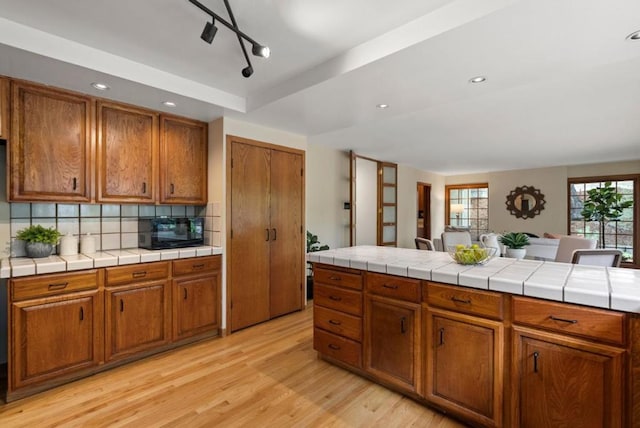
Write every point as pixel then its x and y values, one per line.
pixel 510 343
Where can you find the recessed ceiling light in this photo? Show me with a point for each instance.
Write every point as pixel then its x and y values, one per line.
pixel 169 103
pixel 634 36
pixel 100 86
pixel 477 79
pixel 382 105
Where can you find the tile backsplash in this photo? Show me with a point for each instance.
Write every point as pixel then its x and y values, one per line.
pixel 115 226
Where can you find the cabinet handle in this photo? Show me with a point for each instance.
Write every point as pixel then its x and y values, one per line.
pixel 81 313
pixel 535 361
pixel 59 286
pixel 334 322
pixel 185 293
pixel 551 317
pixel 334 347
pixel 391 286
pixel 198 266
pixel 441 331
pixel 140 274
pixel 335 298
pixel 121 305
pixel 267 234
pixel 75 183
pixel 465 301
pixel 172 188
pixel 275 236
pixel 144 187
pixel 403 327
pixel 335 278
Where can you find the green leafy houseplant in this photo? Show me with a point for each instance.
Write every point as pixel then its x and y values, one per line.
pixel 39 241
pixel 604 204
pixel 515 240
pixel 313 245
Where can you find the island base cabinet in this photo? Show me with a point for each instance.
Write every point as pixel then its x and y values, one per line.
pixel 54 337
pixel 465 366
pixel 568 382
pixel 137 318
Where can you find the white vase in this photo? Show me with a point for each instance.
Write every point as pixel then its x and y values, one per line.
pixel 516 253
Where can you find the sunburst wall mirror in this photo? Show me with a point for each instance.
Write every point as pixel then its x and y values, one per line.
pixel 525 202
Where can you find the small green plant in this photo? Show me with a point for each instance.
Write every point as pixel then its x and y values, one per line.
pixel 604 204
pixel 313 244
pixel 38 233
pixel 514 240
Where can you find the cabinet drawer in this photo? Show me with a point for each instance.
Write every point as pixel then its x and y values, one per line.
pixel 338 299
pixel 338 322
pixel 196 265
pixel 51 285
pixel 476 302
pixel 337 347
pixel 136 273
pixel 570 319
pixel 394 287
pixel 338 278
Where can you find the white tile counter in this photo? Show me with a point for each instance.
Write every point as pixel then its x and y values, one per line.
pixel 603 287
pixel 23 266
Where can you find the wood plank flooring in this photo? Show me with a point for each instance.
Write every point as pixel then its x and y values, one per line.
pixel 264 376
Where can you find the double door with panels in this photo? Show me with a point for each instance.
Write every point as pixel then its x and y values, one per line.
pixel 266 260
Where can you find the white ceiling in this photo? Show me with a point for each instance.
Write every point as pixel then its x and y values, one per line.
pixel 563 84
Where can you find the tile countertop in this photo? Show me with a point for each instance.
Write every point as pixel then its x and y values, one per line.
pixel 602 287
pixel 24 266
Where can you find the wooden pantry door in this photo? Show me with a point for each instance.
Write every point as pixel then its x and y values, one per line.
pixel 249 242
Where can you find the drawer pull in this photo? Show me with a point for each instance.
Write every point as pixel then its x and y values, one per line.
pixel 334 347
pixel 535 361
pixel 140 274
pixel 551 317
pixel 59 286
pixel 198 266
pixel 465 301
pixel 390 286
pixel 335 298
pixel 334 322
pixel 335 278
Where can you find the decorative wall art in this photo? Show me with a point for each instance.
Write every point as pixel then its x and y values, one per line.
pixel 525 202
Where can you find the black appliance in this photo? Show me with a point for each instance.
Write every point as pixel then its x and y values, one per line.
pixel 170 232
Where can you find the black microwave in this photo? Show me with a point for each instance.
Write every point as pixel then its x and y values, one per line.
pixel 170 232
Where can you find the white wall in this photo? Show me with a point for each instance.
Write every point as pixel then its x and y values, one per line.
pixel 552 182
pixel 366 202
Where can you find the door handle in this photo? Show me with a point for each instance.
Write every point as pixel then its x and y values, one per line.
pixel 81 314
pixel 172 188
pixel 403 327
pixel 144 187
pixel 275 236
pixel 121 305
pixel 441 336
pixel 185 293
pixel 75 183
pixel 267 234
pixel 535 361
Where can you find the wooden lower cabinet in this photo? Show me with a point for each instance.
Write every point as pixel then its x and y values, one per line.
pixel 464 365
pixel 137 318
pixel 563 381
pixel 392 341
pixel 54 337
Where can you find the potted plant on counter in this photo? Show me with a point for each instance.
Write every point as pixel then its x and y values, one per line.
pixel 313 244
pixel 39 241
pixel 515 243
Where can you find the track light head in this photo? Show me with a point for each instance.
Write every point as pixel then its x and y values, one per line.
pixel 209 32
pixel 259 50
pixel 247 71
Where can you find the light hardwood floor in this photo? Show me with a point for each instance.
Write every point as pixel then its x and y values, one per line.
pixel 264 376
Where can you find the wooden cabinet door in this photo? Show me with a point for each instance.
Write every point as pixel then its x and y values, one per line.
pixel 392 341
pixel 53 337
pixel 286 218
pixel 250 235
pixel 127 153
pixel 183 161
pixel 196 305
pixel 137 318
pixel 4 108
pixel 50 151
pixel 465 365
pixel 563 381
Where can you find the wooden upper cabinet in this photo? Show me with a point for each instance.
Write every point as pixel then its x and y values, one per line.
pixel 51 140
pixel 4 108
pixel 183 161
pixel 127 155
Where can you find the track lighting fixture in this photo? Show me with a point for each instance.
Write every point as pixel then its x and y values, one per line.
pixel 210 30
